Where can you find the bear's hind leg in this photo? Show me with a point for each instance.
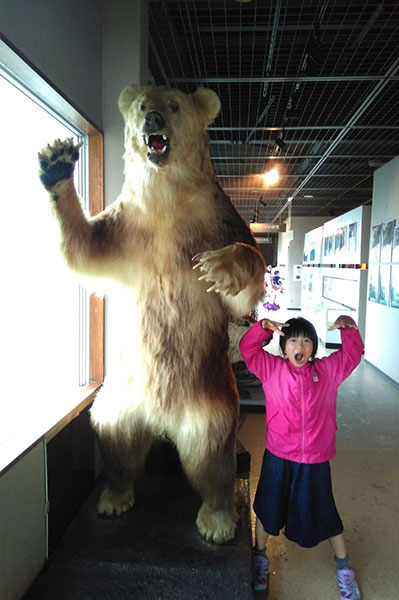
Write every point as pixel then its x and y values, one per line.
pixel 124 459
pixel 211 468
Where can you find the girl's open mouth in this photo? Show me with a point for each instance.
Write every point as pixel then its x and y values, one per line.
pixel 299 357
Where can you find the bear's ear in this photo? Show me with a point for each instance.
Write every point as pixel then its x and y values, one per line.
pixel 127 96
pixel 207 104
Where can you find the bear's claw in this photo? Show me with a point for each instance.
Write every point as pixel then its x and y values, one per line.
pixel 57 161
pixel 218 269
pixel 114 503
pixel 217 526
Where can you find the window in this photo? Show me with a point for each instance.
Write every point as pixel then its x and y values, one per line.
pixel 51 337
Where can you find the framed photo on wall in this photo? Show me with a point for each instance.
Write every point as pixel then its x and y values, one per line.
pixel 395 286
pixel 328 245
pixel 340 240
pixel 375 247
pixel 352 237
pixel 386 242
pixel 373 283
pixel 395 245
pixel 384 287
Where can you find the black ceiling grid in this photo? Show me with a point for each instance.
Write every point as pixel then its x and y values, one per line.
pixel 311 87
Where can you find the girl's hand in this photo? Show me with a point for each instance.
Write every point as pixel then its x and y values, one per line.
pixel 343 322
pixel 274 326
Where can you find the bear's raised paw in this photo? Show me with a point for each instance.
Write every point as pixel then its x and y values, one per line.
pixel 57 161
pixel 220 269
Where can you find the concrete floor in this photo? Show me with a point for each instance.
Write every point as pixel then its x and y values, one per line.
pixel 366 488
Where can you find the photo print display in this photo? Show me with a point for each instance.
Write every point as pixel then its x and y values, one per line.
pixel 373 283
pixel 375 250
pixel 383 272
pixel 384 284
pixel 328 244
pixel 395 286
pixel 352 237
pixel 386 242
pixel 340 290
pixel 340 240
pixel 395 245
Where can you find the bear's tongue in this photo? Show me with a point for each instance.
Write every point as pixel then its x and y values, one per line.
pixel 157 143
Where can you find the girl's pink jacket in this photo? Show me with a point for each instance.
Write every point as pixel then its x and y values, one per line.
pixel 301 401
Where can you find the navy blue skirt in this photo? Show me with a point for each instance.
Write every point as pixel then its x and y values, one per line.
pixel 299 498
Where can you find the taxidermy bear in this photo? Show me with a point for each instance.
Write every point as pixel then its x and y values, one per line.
pixel 185 263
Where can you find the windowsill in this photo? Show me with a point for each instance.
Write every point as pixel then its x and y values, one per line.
pixel 34 427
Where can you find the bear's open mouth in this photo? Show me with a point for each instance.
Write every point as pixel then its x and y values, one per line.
pixel 156 144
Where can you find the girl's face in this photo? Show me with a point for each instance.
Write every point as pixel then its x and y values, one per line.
pixel 298 350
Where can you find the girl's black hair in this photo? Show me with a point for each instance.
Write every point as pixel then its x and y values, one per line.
pixel 299 326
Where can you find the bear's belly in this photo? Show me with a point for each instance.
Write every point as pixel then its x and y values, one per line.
pixel 171 338
pixel 181 359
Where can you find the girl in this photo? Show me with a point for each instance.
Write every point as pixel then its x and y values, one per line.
pixel 294 489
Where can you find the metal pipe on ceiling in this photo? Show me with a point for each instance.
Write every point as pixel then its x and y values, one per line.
pixel 355 117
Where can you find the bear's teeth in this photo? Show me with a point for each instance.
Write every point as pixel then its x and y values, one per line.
pixel 146 138
pixel 157 143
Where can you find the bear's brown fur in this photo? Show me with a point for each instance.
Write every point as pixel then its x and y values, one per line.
pixel 186 263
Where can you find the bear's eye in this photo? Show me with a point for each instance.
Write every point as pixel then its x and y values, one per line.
pixel 142 107
pixel 174 107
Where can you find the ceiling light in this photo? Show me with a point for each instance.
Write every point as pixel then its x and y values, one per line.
pixel 270 177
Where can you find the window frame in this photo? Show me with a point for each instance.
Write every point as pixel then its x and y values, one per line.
pixel 40 88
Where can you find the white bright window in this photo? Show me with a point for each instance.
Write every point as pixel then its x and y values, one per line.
pixel 44 314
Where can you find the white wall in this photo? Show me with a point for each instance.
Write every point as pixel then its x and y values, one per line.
pixel 290 254
pixel 22 523
pixel 332 288
pixel 382 322
pixel 63 40
pixel 125 61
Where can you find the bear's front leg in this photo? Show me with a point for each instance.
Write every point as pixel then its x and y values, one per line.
pixel 56 167
pixel 236 272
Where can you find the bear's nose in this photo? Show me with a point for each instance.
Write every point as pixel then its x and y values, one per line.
pixel 154 121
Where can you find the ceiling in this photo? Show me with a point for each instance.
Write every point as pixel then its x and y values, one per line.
pixel 312 87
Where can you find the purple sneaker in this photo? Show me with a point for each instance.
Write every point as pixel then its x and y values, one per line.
pixel 348 589
pixel 261 572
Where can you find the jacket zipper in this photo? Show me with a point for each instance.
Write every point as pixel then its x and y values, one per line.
pixel 303 424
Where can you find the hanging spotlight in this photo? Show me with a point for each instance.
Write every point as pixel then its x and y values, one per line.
pixel 270 177
pixel 291 114
pixel 280 141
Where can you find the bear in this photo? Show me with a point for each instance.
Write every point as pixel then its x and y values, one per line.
pixel 183 264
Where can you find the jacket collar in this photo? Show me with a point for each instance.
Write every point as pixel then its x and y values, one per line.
pixel 305 369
